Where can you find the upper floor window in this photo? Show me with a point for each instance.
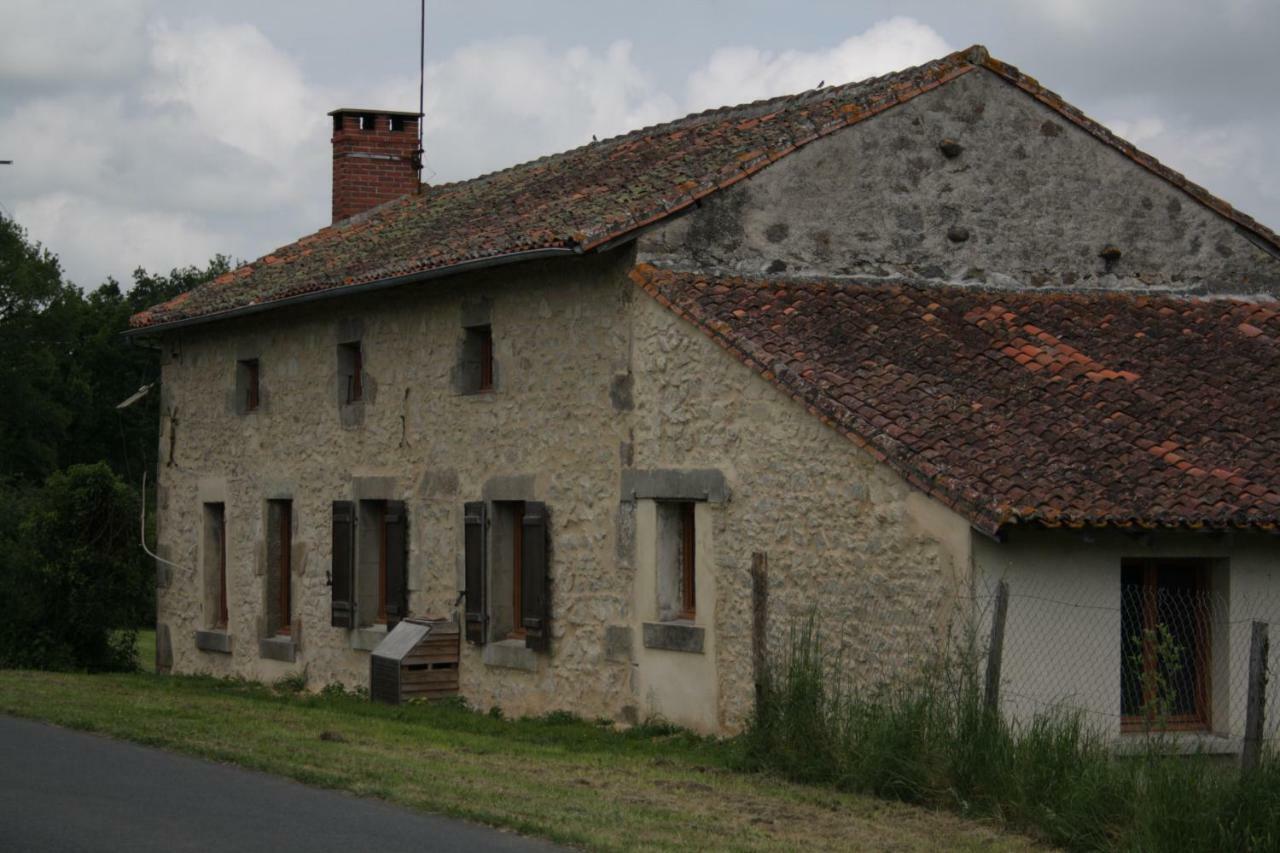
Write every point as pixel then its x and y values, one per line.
pixel 247 390
pixel 476 372
pixel 350 370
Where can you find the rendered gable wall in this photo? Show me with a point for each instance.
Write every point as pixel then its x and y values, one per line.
pixel 1035 198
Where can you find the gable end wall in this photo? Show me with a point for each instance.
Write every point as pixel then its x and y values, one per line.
pixel 1031 201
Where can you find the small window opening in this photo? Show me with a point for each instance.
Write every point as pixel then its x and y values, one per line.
pixel 350 368
pixel 371 570
pixel 485 335
pixel 677 560
pixel 249 399
pixel 215 564
pixel 396 123
pixel 688 589
pixel 279 557
pixel 1165 643
pixel 368 121
pixel 337 123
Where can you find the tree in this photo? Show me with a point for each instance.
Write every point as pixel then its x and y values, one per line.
pixel 79 577
pixel 33 419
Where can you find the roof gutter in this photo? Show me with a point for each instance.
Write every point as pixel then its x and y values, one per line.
pixel 363 287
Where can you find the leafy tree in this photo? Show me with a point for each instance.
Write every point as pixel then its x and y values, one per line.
pixel 33 418
pixel 81 576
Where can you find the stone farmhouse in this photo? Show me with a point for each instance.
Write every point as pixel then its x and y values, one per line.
pixel 907 336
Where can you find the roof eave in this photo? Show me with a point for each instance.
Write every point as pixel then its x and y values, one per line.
pixel 350 289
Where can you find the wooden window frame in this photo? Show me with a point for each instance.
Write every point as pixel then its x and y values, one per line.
pixel 486 358
pixel 517 571
pixel 285 532
pixel 688 561
pixel 1201 718
pixel 355 382
pixel 382 562
pixel 223 615
pixel 251 395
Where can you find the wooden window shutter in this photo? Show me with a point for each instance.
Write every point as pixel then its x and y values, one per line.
pixel 397 544
pixel 536 577
pixel 342 576
pixel 474 516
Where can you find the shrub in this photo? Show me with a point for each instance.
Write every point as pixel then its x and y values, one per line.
pixel 72 573
pixel 929 739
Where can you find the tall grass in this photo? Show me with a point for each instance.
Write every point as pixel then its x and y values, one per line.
pixel 929 739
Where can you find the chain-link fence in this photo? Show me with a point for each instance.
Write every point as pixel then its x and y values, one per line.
pixel 1164 647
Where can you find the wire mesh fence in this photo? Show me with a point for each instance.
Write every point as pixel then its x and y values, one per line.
pixel 1161 647
pixel 1165 649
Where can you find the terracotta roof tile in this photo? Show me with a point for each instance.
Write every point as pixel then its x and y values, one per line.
pixel 1180 426
pixel 582 199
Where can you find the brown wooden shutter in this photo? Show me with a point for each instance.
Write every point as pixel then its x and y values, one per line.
pixel 474 515
pixel 342 575
pixel 536 577
pixel 397 544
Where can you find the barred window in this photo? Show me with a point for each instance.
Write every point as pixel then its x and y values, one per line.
pixel 1165 642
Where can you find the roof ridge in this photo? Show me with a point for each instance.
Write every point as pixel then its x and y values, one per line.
pixel 711 112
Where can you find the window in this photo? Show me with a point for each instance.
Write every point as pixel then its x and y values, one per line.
pixel 507 591
pixel 370 556
pixel 215 565
pixel 676 560
pixel 1165 642
pixel 477 372
pixel 247 397
pixel 279 567
pixel 350 373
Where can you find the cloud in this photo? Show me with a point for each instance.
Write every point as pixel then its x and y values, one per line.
pixel 53 42
pixel 739 74
pixel 495 103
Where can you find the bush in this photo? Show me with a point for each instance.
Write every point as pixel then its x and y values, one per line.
pixel 929 739
pixel 73 575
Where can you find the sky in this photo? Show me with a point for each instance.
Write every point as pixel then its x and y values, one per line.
pixel 157 134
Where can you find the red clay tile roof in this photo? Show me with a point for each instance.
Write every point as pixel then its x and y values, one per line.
pixel 584 198
pixel 1057 408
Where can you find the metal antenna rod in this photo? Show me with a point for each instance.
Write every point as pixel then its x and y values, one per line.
pixel 422 73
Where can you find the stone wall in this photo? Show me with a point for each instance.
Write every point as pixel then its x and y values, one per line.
pixel 1030 201
pixel 551 431
pixel 880 564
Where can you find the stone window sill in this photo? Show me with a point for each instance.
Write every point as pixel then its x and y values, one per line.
pixel 214 641
pixel 1181 743
pixel 510 654
pixel 676 636
pixel 366 639
pixel 278 648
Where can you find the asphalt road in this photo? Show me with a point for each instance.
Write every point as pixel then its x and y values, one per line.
pixel 68 791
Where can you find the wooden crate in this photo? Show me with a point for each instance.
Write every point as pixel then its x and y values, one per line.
pixel 417 660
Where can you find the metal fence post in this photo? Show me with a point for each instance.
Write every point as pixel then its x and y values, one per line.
pixel 1256 704
pixel 759 620
pixel 996 649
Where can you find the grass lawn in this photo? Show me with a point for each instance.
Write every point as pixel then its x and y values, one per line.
pixel 557 777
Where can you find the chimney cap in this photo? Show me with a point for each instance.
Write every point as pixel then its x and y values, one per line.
pixel 370 111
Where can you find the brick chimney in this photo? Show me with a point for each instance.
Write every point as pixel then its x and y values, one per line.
pixel 375 158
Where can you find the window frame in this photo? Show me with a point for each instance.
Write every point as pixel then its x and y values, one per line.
pixel 220 542
pixel 688 561
pixel 518 631
pixel 252 397
pixel 1201 718
pixel 485 334
pixel 351 362
pixel 284 566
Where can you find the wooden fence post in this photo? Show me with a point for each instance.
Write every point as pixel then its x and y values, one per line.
pixel 759 620
pixel 995 650
pixel 1255 706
